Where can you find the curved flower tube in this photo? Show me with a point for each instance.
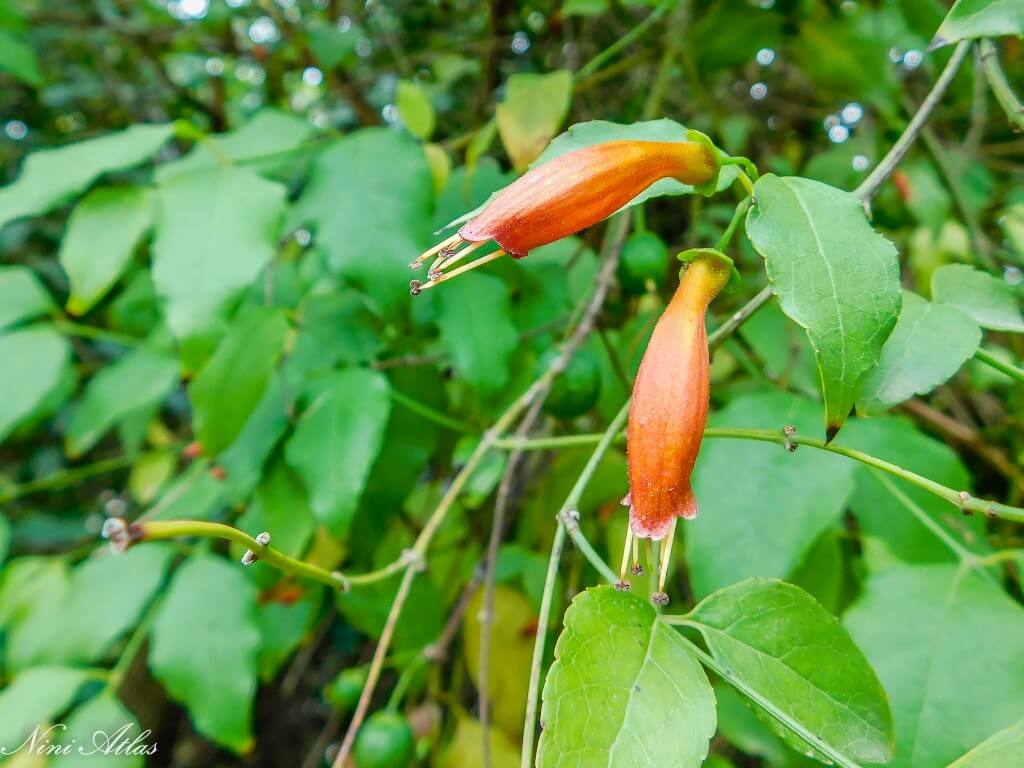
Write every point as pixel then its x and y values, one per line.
pixel 566 195
pixel 669 410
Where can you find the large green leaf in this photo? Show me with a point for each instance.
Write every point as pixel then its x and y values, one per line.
pixel 989 300
pixel 833 274
pixel 415 109
pixel 1003 749
pixel 50 176
pixel 946 644
pixel 22 296
pixel 136 382
pixel 103 232
pixel 768 516
pixel 531 113
pixel 18 58
pixel 623 692
pixel 336 441
pixel 369 197
pixel 926 348
pixel 262 144
pixel 42 356
pixel 103 600
pixel 780 641
pixel 476 328
pixel 205 647
pixel 216 229
pixel 980 18
pixel 887 507
pixel 229 387
pixel 33 699
pixel 96 730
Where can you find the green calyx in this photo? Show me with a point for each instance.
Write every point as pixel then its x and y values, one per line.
pixel 714 257
pixel 723 159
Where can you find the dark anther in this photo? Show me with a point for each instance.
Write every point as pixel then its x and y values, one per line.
pixel 660 598
pixel 637 569
pixel 414 287
pixel 622 586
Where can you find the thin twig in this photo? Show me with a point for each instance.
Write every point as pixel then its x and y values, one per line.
pixel 501 505
pixel 636 32
pixel 1000 86
pixel 1011 370
pixel 870 186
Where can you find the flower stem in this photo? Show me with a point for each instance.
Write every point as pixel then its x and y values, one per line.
pixel 158 530
pixel 965 502
pixel 1000 86
pixel 999 364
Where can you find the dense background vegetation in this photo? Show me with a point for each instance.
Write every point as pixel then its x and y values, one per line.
pixel 205 315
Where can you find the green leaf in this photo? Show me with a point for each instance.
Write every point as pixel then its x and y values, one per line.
pixel 26 584
pixel 18 58
pixel 740 511
pixel 216 230
pixel 421 622
pixel 834 275
pixel 230 385
pixel 415 109
pixel 42 356
pixel 1003 749
pixel 103 231
pixel 885 505
pixel 336 441
pixel 980 18
pixel 926 348
pixel 139 380
pixel 531 113
pixel 50 176
pixel 22 296
pixel 284 625
pixel 205 647
pixel 334 328
pixel 623 690
pixel 243 460
pixel 96 730
pixel 104 599
pixel 194 495
pixel 261 144
pixel 946 644
pixel 33 699
pixel 584 8
pixel 474 316
pixel 989 300
pixel 369 197
pixel 780 641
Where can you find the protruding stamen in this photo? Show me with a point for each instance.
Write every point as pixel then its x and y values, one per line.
pixel 637 568
pixel 629 547
pixel 449 244
pixel 449 257
pixel 666 556
pixel 455 272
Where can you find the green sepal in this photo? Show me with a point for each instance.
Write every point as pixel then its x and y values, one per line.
pixel 692 254
pixel 709 187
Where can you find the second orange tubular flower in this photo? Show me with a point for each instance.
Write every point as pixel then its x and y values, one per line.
pixel 669 409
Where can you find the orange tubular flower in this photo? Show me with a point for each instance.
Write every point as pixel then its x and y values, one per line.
pixel 566 195
pixel 669 410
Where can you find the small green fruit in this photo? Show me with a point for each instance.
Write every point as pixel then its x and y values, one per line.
pixel 344 691
pixel 576 389
pixel 384 741
pixel 644 257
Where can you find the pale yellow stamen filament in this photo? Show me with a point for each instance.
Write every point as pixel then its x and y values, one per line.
pixel 417 288
pixel 449 257
pixel 449 244
pixel 666 556
pixel 629 548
